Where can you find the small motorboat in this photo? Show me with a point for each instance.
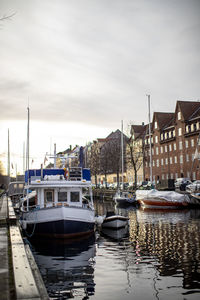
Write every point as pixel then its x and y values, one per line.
pixel 115 234
pixel 124 198
pixel 195 199
pixel 114 221
pixel 162 199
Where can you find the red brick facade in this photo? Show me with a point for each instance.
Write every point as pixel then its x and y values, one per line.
pixel 174 141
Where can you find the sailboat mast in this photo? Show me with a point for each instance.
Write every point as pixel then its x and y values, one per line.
pixel 150 148
pixel 54 156
pixel 8 170
pixel 122 149
pixel 27 146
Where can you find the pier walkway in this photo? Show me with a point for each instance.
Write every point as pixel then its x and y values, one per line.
pixel 19 274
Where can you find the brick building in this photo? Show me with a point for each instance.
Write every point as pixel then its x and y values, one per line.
pixel 174 138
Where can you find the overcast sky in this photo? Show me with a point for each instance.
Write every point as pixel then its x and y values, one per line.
pixel 84 65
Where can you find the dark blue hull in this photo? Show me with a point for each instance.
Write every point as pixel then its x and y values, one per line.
pixel 60 229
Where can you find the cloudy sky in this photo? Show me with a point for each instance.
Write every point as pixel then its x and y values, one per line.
pixel 84 65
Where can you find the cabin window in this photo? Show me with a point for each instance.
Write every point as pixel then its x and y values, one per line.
pixel 62 196
pixel 179 115
pixel 49 196
pixel 74 196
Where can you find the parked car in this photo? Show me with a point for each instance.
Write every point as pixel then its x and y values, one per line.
pixel 181 183
pixel 193 187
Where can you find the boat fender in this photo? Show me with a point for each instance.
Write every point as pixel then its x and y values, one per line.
pixel 24 225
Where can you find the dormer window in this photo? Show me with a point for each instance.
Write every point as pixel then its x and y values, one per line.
pixel 156 125
pixel 179 115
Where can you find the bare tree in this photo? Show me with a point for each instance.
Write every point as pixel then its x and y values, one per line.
pixel 94 160
pixel 105 156
pixel 135 155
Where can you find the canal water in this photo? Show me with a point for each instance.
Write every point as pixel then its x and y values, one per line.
pixel 156 257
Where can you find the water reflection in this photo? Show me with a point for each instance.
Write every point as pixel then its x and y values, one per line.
pixel 156 257
pixel 67 267
pixel 171 240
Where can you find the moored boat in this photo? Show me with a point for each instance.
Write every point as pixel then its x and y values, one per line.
pixel 161 199
pixel 58 209
pixel 124 198
pixel 114 221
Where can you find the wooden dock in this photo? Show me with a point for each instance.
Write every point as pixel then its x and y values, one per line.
pixel 19 274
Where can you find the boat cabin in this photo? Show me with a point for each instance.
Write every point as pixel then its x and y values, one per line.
pixel 56 190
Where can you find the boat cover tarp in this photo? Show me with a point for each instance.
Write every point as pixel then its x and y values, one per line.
pixel 165 195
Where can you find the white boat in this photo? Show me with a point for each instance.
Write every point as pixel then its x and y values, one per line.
pixel 161 199
pixel 195 198
pixel 114 221
pixel 123 197
pixel 58 209
pixel 116 234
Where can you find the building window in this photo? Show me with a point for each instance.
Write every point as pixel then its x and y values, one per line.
pixel 157 151
pixel 161 149
pixel 157 162
pixel 166 161
pixel 176 175
pixel 167 176
pixel 179 115
pixel 163 176
pixel 192 127
pixel 165 148
pixel 188 174
pixel 186 129
pixel 179 131
pixel 186 144
pixel 175 159
pixel 172 175
pixel 194 176
pixel 161 161
pixel 197 126
pixel 170 147
pixel 192 142
pixel 187 157
pixel 174 146
pixel 170 160
pixel 181 159
pixel 156 139
pixel 166 136
pixel 162 136
pixel 156 125
pixel 180 145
